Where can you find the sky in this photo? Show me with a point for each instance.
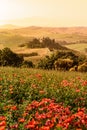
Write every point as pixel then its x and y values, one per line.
pixel 44 12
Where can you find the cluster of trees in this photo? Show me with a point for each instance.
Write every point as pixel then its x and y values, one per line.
pixel 64 60
pixel 45 42
pixel 9 58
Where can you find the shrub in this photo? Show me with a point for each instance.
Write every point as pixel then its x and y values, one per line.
pixel 68 55
pixel 21 45
pixel 9 58
pixel 29 54
pixel 43 64
pixel 75 68
pixel 86 50
pixel 47 62
pixel 83 67
pixel 28 64
pixel 64 64
pixel 82 59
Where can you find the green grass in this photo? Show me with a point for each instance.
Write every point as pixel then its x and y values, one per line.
pixel 11 40
pixel 68 37
pixel 78 47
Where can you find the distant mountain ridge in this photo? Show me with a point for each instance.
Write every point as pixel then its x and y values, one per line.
pixel 61 30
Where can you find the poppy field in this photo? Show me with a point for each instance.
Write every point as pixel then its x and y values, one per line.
pixel 32 99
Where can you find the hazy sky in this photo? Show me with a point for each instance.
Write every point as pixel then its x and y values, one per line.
pixel 53 12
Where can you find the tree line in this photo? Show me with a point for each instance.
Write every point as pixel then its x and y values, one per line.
pixel 59 60
pixel 64 60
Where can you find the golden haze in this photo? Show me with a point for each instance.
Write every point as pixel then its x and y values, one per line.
pixel 44 12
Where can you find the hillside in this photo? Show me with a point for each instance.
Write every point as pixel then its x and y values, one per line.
pixel 66 36
pixel 63 33
pixel 60 30
pixel 57 33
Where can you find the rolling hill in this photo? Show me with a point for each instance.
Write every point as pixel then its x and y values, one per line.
pixel 12 36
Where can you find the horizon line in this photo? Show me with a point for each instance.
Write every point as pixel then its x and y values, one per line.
pixel 15 25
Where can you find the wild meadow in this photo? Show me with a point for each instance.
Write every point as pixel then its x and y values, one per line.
pixel 33 99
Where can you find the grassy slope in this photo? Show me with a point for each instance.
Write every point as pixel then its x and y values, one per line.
pixel 67 34
pixel 78 47
pixel 57 33
pixel 13 38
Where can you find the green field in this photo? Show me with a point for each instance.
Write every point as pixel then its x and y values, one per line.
pixel 32 99
pixel 78 47
pixel 12 40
